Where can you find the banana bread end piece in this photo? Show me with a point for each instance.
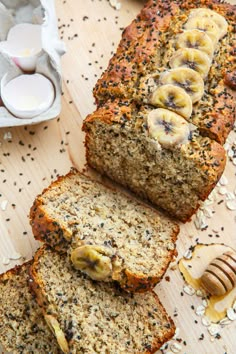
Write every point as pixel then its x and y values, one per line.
pixel 22 326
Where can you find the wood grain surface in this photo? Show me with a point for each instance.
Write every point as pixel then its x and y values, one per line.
pixel 32 156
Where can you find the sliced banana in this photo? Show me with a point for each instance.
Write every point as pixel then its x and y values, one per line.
pixel 93 260
pixel 187 79
pixel 191 58
pixel 57 331
pixel 206 25
pixel 167 127
pixel 174 98
pixel 196 39
pixel 219 20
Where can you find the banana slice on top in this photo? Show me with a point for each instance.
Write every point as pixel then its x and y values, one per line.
pixel 196 39
pixel 191 58
pixel 187 79
pixel 167 127
pixel 174 98
pixel 219 20
pixel 94 260
pixel 206 25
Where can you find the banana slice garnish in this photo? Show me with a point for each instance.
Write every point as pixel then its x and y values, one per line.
pixel 167 127
pixel 196 39
pixel 187 79
pixel 93 260
pixel 206 25
pixel 219 20
pixel 191 58
pixel 57 331
pixel 174 98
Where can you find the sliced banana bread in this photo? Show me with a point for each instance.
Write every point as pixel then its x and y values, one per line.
pixel 107 235
pixel 179 55
pixel 95 317
pixel 23 329
pixel 155 153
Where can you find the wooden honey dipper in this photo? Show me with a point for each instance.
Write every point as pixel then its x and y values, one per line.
pixel 220 275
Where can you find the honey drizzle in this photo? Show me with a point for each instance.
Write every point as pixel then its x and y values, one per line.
pixel 192 270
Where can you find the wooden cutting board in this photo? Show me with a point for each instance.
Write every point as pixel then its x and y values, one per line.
pixel 32 156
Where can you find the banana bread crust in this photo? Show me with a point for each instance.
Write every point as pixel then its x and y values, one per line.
pixel 143 45
pixel 42 296
pixel 56 235
pixel 206 156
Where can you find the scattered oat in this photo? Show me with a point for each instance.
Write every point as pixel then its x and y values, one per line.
pixel 188 289
pixel 199 292
pixel 222 190
pixel 7 136
pixel 230 196
pixel 115 4
pixel 205 302
pixel 205 321
pixel 234 305
pixel 200 220
pixel 4 205
pixel 213 329
pixel 223 181
pixel 5 261
pixel 15 256
pixel 175 347
pixel 208 212
pixel 188 254
pixel 176 333
pixel 224 322
pixel 231 204
pixel 230 153
pixel 200 310
pixel 231 314
pixel 227 146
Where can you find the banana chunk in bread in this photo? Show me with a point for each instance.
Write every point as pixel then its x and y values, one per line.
pixel 155 153
pixel 107 234
pixel 23 329
pixel 95 317
pixel 163 41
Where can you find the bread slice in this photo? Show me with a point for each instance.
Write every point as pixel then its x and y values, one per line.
pixel 120 238
pixel 22 326
pixel 176 178
pixel 96 317
pixel 144 54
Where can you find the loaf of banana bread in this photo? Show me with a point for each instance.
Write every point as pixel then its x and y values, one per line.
pixel 23 329
pixel 156 153
pixel 95 317
pixel 181 56
pixel 106 234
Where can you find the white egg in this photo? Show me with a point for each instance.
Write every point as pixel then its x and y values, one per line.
pixel 23 45
pixel 27 96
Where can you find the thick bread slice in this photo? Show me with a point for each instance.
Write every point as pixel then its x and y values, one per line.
pixel 22 326
pixel 76 211
pixel 95 317
pixel 176 179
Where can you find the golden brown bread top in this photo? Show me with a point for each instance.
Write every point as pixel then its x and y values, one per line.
pixel 142 51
